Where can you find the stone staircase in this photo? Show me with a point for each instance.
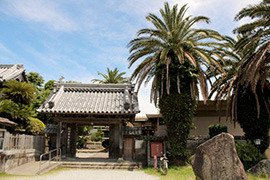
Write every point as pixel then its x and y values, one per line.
pixel 102 165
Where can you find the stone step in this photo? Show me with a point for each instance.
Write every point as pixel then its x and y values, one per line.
pixel 100 165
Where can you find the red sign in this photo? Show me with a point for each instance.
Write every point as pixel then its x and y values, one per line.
pixel 156 149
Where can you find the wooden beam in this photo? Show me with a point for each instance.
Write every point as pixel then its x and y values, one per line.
pixel 90 122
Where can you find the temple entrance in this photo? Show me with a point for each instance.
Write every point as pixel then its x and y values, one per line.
pixel 92 142
pixel 74 105
pixel 99 141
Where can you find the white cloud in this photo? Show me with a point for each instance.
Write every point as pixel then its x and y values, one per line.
pixel 39 11
pixel 144 101
pixel 4 49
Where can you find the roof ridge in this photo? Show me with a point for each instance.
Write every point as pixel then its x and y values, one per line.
pixel 101 86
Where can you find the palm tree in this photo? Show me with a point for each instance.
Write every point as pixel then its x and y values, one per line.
pixel 255 67
pixel 112 77
pixel 246 82
pixel 173 54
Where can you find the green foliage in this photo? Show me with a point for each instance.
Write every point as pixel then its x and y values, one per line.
pixel 41 97
pixel 248 154
pixel 21 100
pixel 84 130
pixel 35 79
pixel 98 136
pixel 9 107
pixel 35 126
pixel 178 111
pixel 81 140
pixel 254 127
pixel 72 82
pixel 216 129
pixel 112 77
pixel 49 85
pixel 18 113
pixel 19 92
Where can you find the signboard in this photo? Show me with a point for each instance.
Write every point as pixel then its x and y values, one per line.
pixel 156 149
pixel 2 139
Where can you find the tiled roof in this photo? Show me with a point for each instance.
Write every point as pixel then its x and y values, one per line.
pixel 6 122
pixel 50 129
pixel 91 99
pixel 8 72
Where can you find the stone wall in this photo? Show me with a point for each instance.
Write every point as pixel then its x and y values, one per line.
pixel 13 158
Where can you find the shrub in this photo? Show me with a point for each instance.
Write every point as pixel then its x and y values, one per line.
pixel 248 154
pixel 216 129
pixel 81 142
pixel 35 126
pixel 98 136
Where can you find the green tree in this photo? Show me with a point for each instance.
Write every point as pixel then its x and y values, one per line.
pixel 18 113
pixel 246 86
pixel 254 68
pixel 35 126
pixel 49 85
pixel 35 79
pixel 72 82
pixel 98 136
pixel 173 54
pixel 84 130
pixel 41 97
pixel 19 92
pixel 112 77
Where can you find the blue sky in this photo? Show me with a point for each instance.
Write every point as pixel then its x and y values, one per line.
pixel 78 38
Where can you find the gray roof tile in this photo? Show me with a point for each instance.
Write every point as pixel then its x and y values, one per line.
pixel 50 129
pixel 14 71
pixel 91 99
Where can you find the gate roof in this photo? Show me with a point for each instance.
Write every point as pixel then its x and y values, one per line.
pixel 71 98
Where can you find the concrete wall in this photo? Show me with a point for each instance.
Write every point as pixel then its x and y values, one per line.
pixel 13 158
pixel 202 124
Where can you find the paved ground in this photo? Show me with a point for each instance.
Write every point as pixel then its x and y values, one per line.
pixel 32 168
pixel 90 175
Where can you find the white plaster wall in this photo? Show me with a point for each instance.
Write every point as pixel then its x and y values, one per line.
pixel 202 123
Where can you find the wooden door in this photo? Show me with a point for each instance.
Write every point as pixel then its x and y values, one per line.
pixel 128 148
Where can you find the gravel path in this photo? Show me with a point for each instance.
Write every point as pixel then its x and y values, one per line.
pixel 90 175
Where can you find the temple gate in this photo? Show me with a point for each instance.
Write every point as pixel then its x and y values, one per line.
pixel 91 104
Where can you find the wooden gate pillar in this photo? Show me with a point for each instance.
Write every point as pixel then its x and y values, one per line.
pixel 58 138
pixel 71 137
pixel 114 141
pixel 121 141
